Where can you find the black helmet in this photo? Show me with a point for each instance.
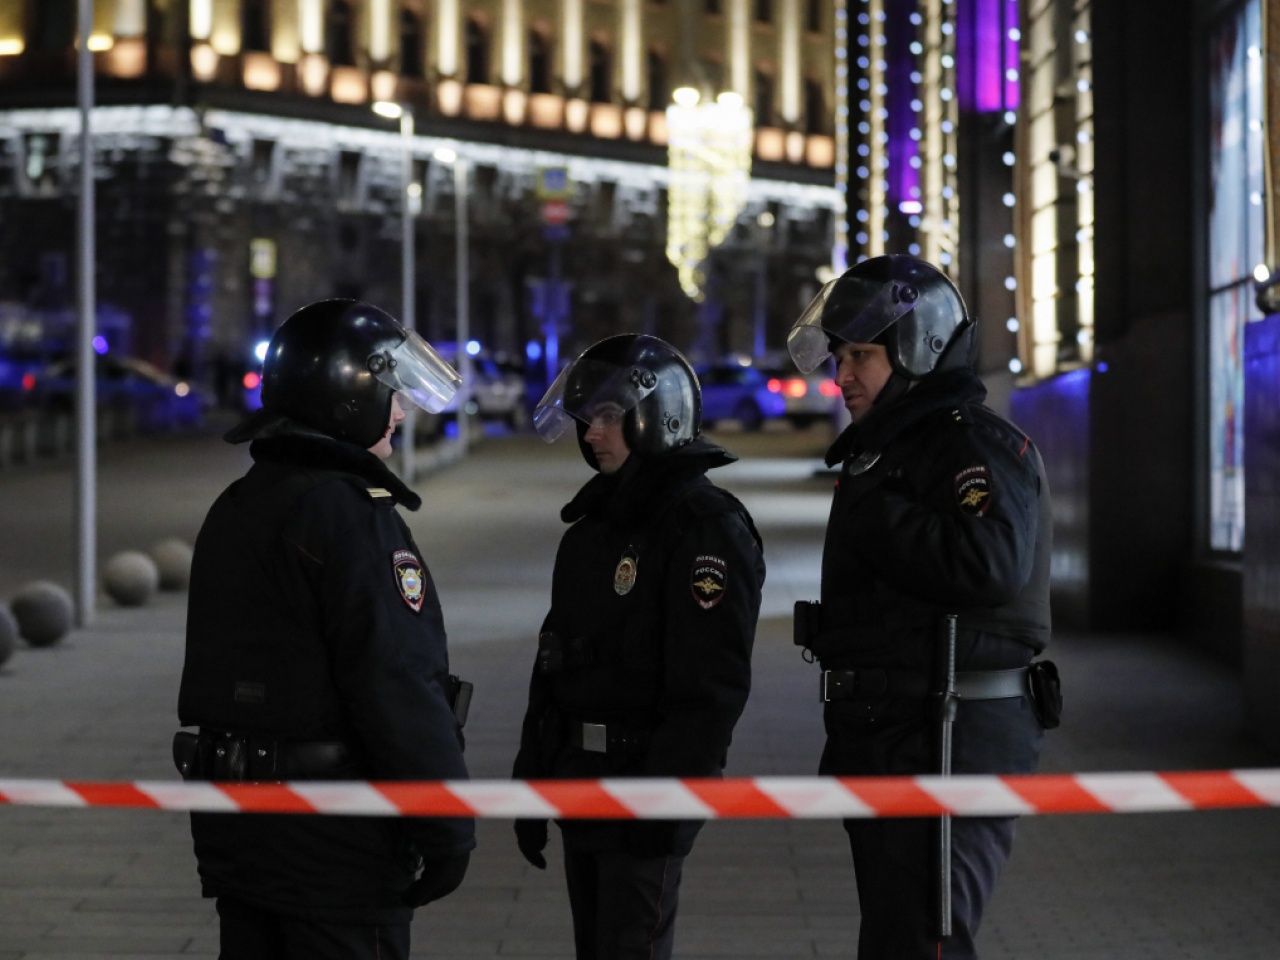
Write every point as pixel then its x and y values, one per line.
pixel 334 365
pixel 906 304
pixel 648 378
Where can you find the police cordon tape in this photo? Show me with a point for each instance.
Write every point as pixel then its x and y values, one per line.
pixel 764 798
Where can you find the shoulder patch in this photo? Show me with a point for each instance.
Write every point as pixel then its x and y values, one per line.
pixel 410 578
pixel 707 579
pixel 973 489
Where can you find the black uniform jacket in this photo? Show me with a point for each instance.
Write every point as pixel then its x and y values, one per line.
pixel 312 617
pixel 941 507
pixel 655 596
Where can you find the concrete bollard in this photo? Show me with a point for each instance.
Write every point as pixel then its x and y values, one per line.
pixel 173 560
pixel 43 611
pixel 8 634
pixel 130 578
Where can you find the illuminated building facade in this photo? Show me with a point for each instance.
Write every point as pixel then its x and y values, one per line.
pixel 227 127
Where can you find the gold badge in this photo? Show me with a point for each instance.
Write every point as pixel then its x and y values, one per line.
pixel 624 576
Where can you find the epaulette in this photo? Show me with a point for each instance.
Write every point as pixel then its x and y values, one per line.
pixel 380 493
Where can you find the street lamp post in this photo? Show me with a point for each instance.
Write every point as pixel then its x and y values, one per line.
pixel 462 268
pixel 410 201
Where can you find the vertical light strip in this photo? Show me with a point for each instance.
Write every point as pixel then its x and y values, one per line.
pixel 789 66
pixel 1038 246
pixel 130 19
pixel 878 136
pixel 448 38
pixel 311 25
pixel 840 251
pixel 932 148
pixel 949 124
pixel 201 19
pixel 572 27
pixel 379 30
pixel 512 42
pixel 631 43
pixel 739 49
pixel 1082 61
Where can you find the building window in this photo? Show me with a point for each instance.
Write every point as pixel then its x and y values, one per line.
pixel 412 42
pixel 659 95
pixel 339 34
pixel 255 26
pixel 477 52
pixel 601 73
pixel 764 99
pixel 539 62
pixel 815 108
pixel 1235 246
pixel 54 26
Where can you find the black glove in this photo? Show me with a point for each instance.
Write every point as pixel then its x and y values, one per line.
pixel 531 838
pixel 440 877
pixel 650 839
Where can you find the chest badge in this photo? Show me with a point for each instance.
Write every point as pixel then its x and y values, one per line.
pixel 624 575
pixel 862 462
pixel 410 580
pixel 707 579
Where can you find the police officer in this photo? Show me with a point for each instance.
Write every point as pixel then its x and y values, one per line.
pixel 941 510
pixel 644 660
pixel 316 650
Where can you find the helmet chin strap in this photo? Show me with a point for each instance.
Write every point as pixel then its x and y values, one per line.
pixel 894 389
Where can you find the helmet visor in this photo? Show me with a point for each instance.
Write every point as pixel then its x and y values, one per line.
pixel 589 388
pixel 848 309
pixel 419 374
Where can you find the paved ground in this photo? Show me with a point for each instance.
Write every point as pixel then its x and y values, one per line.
pixel 97 883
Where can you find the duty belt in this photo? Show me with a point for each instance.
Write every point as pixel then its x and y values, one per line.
pixel 217 755
pixel 874 683
pixel 607 737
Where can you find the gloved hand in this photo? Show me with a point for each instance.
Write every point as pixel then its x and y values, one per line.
pixel 440 877
pixel 531 838
pixel 650 839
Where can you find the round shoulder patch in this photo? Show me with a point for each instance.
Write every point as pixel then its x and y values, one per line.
pixel 973 489
pixel 707 579
pixel 409 577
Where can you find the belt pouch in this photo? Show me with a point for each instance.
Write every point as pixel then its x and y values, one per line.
pixel 188 756
pixel 460 698
pixel 550 653
pixel 1046 692
pixel 230 759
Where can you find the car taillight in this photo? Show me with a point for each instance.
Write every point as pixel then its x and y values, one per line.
pixel 251 380
pixel 28 381
pixel 829 388
pixel 796 388
pixel 775 385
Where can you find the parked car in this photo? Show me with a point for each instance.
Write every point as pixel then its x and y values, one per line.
pixel 495 393
pixel 737 391
pixel 810 397
pixel 153 399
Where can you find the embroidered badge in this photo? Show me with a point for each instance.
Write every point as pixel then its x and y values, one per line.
pixel 973 490
pixel 624 575
pixel 410 580
pixel 707 580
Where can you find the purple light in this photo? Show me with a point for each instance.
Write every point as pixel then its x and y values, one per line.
pixel 1012 88
pixel 986 53
pixel 100 344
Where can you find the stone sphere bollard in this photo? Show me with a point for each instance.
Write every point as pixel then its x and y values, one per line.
pixel 173 560
pixel 8 634
pixel 130 578
pixel 43 611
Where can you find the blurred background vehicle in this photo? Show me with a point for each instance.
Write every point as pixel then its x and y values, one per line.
pixel 735 390
pixel 152 399
pixel 810 397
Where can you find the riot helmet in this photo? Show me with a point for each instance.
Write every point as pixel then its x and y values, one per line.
pixel 907 305
pixel 334 365
pixel 648 380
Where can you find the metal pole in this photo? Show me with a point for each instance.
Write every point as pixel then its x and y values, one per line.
pixel 460 170
pixel 86 453
pixel 946 719
pixel 408 306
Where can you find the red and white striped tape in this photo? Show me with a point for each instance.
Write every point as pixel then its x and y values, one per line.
pixel 763 798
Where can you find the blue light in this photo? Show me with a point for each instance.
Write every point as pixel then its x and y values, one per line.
pixel 100 344
pixel 473 347
pixel 260 349
pixel 1102 367
pixel 533 350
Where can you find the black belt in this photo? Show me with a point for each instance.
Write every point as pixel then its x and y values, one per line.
pixel 607 737
pixel 875 683
pixel 216 755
